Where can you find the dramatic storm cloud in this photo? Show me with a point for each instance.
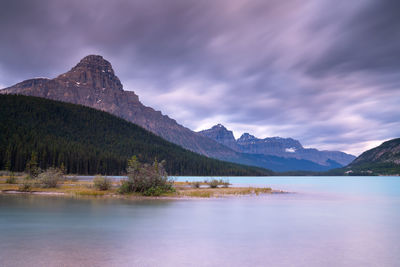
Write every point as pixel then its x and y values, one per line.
pixel 324 72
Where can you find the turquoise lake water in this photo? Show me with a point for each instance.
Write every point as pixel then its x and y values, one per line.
pixel 326 221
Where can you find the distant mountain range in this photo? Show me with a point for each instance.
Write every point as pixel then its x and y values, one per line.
pixel 276 146
pixel 381 160
pixel 93 83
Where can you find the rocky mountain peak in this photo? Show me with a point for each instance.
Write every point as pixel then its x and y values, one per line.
pixel 219 126
pixel 94 62
pixel 95 72
pixel 246 137
pixel 220 134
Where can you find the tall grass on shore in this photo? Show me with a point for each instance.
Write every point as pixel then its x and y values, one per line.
pixel 102 183
pixel 11 179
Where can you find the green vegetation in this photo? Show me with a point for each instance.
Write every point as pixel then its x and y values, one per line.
pixel 26 185
pixel 213 183
pixel 146 179
pixel 195 184
pixel 32 165
pixel 40 133
pixel 50 178
pixel 373 168
pixel 11 179
pixel 225 183
pixel 102 183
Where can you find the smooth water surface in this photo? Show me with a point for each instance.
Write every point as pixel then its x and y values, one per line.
pixel 328 221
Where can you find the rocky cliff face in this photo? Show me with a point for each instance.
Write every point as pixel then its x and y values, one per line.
pixel 220 134
pixel 92 83
pixel 275 146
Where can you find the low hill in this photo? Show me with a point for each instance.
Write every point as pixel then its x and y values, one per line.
pixel 89 141
pixel 381 160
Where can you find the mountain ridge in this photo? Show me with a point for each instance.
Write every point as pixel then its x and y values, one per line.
pixel 275 146
pixel 381 160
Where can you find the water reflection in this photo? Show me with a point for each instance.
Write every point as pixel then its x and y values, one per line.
pixel 304 229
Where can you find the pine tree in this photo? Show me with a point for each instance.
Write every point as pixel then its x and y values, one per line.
pixel 32 166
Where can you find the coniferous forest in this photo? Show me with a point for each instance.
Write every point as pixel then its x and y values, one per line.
pixel 87 141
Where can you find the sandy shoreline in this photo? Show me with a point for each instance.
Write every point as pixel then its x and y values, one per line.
pixel 33 193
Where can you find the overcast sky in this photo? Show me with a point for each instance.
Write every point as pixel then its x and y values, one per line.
pixel 324 72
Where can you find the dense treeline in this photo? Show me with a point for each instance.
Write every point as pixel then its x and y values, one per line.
pixel 374 168
pixel 88 141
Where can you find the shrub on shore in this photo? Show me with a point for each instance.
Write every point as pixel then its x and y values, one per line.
pixel 146 179
pixel 195 184
pixel 102 183
pixel 26 185
pixel 50 178
pixel 154 191
pixel 225 183
pixel 214 183
pixel 11 179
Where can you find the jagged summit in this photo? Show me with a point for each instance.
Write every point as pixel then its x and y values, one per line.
pixel 93 72
pixel 94 59
pixel 246 137
pixel 94 62
pixel 221 135
pixel 219 126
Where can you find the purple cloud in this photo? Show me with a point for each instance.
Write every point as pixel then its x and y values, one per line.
pixel 323 72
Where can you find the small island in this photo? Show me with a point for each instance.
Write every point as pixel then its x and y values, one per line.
pixel 143 181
